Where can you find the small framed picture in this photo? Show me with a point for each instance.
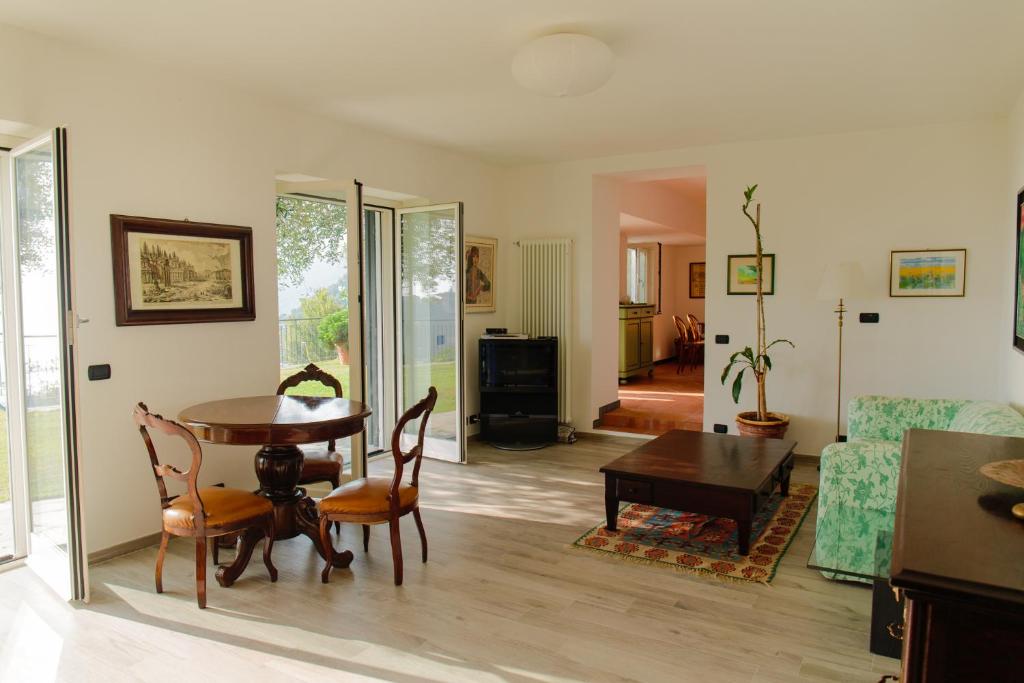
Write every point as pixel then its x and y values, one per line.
pixel 480 260
pixel 928 272
pixel 743 274
pixel 697 282
pixel 168 271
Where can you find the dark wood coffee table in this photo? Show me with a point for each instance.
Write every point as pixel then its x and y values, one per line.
pixel 711 474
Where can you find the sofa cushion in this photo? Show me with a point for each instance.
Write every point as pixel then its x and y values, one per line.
pixel 987 417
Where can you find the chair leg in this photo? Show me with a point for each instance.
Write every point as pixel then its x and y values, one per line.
pixel 268 546
pixel 201 571
pixel 423 533
pixel 396 549
pixel 325 538
pixel 337 528
pixel 215 551
pixel 366 538
pixel 164 538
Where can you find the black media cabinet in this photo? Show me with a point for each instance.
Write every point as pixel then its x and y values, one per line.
pixel 519 392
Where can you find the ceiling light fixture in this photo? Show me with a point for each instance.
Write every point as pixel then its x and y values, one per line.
pixel 563 65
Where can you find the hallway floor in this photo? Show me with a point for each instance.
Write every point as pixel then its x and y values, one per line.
pixel 665 402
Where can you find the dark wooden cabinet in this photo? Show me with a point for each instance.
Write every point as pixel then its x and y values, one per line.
pixel 958 557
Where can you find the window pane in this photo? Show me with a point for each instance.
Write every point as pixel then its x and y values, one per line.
pixel 312 292
pixel 40 313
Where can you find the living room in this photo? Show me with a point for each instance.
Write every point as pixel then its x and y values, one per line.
pixel 858 155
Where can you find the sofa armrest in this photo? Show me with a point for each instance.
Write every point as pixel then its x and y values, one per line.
pixel 887 417
pixel 861 474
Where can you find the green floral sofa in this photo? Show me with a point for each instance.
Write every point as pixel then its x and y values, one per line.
pixel 857 496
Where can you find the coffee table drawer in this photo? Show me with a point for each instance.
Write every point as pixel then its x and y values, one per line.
pixel 635 491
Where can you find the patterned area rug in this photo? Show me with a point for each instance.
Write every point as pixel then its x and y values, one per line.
pixel 703 544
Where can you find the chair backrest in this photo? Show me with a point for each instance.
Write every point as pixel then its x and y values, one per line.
pixel 311 373
pixel 682 329
pixel 146 421
pixel 423 408
pixel 694 326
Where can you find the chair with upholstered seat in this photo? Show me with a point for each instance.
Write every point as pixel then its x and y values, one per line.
pixel 320 462
pixel 201 513
pixel 379 500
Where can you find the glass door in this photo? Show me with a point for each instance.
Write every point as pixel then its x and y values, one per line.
pixel 44 403
pixel 429 322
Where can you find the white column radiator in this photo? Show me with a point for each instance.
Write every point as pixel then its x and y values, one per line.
pixel 547 304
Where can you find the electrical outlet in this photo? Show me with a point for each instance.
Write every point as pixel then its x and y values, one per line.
pixel 721 339
pixel 869 317
pixel 721 429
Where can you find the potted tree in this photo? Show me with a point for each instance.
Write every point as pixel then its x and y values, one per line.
pixel 758 422
pixel 333 331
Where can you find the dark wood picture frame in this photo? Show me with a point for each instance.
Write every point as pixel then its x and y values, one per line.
pixel 927 293
pixel 768 286
pixel 1018 276
pixel 698 292
pixel 121 226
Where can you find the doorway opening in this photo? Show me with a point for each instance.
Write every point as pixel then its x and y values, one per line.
pixel 661 313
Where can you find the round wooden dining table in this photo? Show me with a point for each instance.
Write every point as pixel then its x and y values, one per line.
pixel 279 425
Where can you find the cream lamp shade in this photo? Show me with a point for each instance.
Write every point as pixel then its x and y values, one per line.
pixel 563 65
pixel 842 280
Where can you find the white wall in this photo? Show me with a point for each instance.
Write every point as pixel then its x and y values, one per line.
pixel 853 196
pixel 1014 376
pixel 145 141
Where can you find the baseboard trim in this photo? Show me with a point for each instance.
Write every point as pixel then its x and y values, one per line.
pixel 806 459
pixel 124 548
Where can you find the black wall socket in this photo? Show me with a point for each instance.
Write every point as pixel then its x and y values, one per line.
pixel 99 372
pixel 721 339
pixel 869 317
pixel 721 429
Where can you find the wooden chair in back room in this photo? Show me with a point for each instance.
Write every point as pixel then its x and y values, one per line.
pixel 379 500
pixel 320 462
pixel 682 343
pixel 201 513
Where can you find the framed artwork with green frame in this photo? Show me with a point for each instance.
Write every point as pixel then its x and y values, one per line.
pixel 742 272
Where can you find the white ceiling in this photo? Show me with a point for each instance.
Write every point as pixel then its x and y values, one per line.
pixel 688 72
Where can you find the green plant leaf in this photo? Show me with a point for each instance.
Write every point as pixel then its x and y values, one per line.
pixel 737 386
pixel 780 341
pixel 767 360
pixel 748 353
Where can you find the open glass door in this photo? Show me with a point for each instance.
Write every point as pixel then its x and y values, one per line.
pixel 430 320
pixel 42 388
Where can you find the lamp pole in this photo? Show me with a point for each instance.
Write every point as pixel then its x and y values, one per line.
pixel 839 383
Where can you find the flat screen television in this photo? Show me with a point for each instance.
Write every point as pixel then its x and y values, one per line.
pixel 518 363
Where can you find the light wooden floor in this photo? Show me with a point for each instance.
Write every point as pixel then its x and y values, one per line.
pixel 503 598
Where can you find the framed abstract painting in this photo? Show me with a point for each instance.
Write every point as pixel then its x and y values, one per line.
pixel 1018 275
pixel 168 271
pixel 697 280
pixel 928 273
pixel 743 274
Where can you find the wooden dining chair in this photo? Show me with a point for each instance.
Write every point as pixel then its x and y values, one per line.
pixel 696 338
pixel 682 343
pixel 378 500
pixel 320 462
pixel 201 513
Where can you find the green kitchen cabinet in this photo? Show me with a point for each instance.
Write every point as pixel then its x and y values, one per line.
pixel 636 340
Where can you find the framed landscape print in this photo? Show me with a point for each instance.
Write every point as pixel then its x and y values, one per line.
pixel 168 272
pixel 743 274
pixel 480 260
pixel 928 272
pixel 697 280
pixel 1018 276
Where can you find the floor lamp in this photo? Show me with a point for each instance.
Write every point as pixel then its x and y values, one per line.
pixel 841 281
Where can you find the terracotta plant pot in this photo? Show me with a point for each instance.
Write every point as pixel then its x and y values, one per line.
pixel 773 428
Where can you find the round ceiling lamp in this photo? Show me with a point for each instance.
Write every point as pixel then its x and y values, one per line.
pixel 563 65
